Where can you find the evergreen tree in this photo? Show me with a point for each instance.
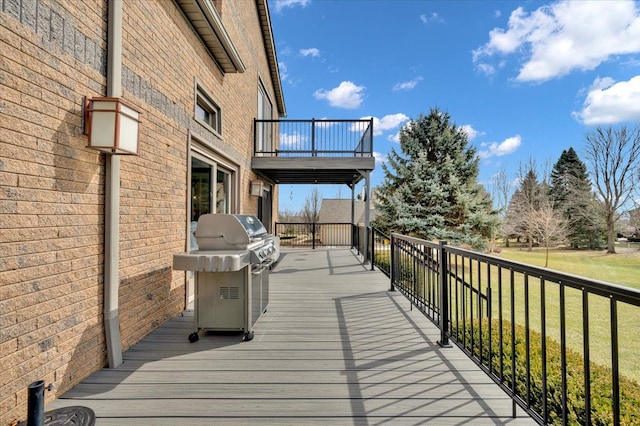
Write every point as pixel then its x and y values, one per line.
pixel 571 195
pixel 430 189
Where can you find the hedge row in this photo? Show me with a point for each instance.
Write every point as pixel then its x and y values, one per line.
pixel 600 376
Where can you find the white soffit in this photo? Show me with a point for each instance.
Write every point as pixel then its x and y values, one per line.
pixel 207 22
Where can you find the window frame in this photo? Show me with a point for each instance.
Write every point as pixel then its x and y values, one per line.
pixel 265 131
pixel 205 102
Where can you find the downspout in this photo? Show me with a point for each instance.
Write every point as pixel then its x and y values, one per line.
pixel 112 194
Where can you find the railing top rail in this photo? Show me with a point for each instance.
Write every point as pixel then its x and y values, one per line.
pixel 311 120
pixel 602 288
pixel 314 223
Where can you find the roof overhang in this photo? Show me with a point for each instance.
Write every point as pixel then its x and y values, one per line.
pixel 267 36
pixel 207 22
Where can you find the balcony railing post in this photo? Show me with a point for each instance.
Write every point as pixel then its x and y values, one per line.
pixel 313 138
pixel 373 247
pixel 443 271
pixel 255 136
pixel 392 262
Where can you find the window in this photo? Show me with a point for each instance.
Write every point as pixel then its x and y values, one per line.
pixel 264 130
pixel 211 189
pixel 207 112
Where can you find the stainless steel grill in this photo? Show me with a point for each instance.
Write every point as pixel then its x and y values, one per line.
pixel 231 269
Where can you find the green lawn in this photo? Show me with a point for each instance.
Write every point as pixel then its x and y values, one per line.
pixel 621 269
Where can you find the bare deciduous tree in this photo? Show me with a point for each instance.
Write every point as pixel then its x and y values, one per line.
pixel 614 157
pixel 548 227
pixel 311 209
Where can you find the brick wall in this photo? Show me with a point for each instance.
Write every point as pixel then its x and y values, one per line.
pixel 52 187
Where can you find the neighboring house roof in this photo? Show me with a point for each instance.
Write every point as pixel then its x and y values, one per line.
pixel 334 210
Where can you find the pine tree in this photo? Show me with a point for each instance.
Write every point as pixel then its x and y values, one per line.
pixel 431 190
pixel 571 195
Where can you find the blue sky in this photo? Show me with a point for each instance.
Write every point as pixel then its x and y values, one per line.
pixel 526 79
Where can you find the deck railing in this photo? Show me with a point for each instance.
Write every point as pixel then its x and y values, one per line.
pixel 552 341
pixel 301 234
pixel 313 138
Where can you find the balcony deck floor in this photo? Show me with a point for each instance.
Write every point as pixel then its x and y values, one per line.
pixel 335 347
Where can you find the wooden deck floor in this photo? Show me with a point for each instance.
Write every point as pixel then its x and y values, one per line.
pixel 335 347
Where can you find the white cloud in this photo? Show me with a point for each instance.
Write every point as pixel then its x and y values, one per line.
pixel 380 158
pixel 470 131
pixel 386 123
pixel 292 139
pixel 281 4
pixel 564 36
pixel 394 138
pixel 609 102
pixel 347 95
pixel 495 149
pixel 282 67
pixel 407 85
pixel 432 17
pixel 313 52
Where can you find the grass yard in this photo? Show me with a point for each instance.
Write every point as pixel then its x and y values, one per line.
pixel 620 269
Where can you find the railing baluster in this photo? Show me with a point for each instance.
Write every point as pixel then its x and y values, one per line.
pixel 489 317
pixel 513 336
pixel 527 338
pixel 615 376
pixel 587 357
pixel 500 334
pixel 543 331
pixel 563 353
pixel 473 337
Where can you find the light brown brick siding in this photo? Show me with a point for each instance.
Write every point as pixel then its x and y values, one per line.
pixel 52 53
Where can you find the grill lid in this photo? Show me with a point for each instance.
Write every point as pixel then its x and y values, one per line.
pixel 225 231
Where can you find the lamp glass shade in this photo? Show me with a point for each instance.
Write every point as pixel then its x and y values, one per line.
pixel 114 126
pixel 256 188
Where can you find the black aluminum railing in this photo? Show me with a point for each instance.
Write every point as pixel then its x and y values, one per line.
pixel 550 340
pixel 313 138
pixel 300 234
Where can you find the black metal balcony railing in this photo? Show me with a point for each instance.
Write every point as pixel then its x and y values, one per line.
pixel 299 234
pixel 552 341
pixel 313 138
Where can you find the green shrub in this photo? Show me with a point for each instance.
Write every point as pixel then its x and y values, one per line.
pixel 600 376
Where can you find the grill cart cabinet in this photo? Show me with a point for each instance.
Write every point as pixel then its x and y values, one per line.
pixel 231 272
pixel 221 301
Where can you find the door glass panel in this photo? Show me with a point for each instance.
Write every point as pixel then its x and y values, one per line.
pixel 223 180
pixel 201 194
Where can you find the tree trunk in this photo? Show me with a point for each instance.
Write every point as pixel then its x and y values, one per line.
pixel 611 234
pixel 546 259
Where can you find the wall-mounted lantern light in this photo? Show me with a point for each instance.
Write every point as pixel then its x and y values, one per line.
pixel 112 125
pixel 256 188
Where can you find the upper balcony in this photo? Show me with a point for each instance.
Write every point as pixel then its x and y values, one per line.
pixel 313 151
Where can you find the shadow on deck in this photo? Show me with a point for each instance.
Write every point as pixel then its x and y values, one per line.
pixel 335 347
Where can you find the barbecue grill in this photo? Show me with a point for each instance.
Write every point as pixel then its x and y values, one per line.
pixel 231 267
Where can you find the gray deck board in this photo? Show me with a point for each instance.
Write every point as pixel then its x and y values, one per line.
pixel 335 347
